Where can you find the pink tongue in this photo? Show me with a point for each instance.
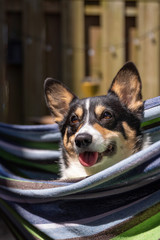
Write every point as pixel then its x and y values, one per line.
pixel 88 159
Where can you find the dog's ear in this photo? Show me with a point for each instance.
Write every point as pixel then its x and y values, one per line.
pixel 127 86
pixel 58 98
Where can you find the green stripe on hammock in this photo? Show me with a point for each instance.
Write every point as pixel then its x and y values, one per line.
pixel 150 122
pixel 54 168
pixel 40 145
pixel 21 221
pixel 32 144
pixel 147 230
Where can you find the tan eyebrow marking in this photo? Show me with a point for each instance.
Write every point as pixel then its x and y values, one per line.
pixel 69 143
pixel 131 135
pixel 79 112
pixel 99 109
pixel 106 133
pixel 100 129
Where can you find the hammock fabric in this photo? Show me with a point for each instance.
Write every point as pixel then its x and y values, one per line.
pixel 121 202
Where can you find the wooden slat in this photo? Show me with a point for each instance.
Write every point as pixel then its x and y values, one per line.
pixel 48 6
pixel 131 12
pixel 94 52
pixel 104 45
pixel 133 45
pixel 14 68
pixel 52 6
pixel 113 22
pixel 3 83
pixel 148 57
pixel 66 45
pixel 73 44
pixel 34 39
pixel 116 27
pixel 13 6
pixel 77 44
pixel 53 46
pixel 93 10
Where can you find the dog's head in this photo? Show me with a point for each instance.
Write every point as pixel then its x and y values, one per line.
pixel 98 131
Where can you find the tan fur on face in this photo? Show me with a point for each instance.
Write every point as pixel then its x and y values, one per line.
pixel 131 135
pixel 99 110
pixel 79 112
pixel 68 144
pixel 103 131
pixel 127 145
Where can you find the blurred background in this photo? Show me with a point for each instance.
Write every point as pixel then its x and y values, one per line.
pixel 82 43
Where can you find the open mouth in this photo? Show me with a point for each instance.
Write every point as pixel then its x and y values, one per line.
pixel 88 159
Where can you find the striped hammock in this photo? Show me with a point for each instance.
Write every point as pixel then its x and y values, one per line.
pixel 120 203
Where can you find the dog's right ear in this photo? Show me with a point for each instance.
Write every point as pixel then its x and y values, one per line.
pixel 58 98
pixel 128 88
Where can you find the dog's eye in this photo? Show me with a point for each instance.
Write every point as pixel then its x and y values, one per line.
pixel 74 119
pixel 106 115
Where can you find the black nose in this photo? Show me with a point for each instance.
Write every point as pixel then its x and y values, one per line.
pixel 83 140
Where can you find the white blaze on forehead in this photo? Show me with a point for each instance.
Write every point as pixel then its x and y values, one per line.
pixel 86 126
pixel 87 105
pixel 97 138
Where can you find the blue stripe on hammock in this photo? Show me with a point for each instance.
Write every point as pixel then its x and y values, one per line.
pixel 58 224
pixel 153 102
pixel 48 127
pixel 30 154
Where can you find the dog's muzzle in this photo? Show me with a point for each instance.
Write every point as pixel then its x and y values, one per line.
pixel 88 157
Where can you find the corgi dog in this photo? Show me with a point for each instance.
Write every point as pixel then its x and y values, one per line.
pixel 97 132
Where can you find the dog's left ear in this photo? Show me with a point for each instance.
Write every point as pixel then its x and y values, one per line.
pixel 127 86
pixel 58 98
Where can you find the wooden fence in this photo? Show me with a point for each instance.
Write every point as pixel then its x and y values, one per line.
pixel 74 41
